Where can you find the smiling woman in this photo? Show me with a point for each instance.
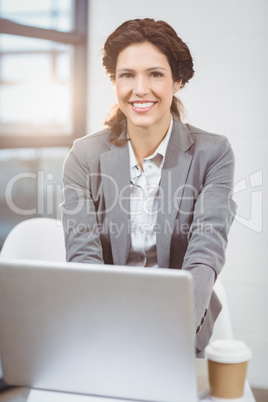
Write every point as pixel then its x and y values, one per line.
pixel 145 89
pixel 149 190
pixel 168 47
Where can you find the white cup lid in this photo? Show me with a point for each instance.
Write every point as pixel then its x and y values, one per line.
pixel 228 351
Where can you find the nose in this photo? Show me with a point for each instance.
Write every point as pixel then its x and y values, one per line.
pixel 140 86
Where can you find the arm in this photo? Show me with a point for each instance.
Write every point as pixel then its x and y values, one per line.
pixel 82 240
pixel 213 215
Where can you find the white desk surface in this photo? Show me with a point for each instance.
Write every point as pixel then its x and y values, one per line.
pixel 21 394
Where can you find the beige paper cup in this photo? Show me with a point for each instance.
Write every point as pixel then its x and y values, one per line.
pixel 227 368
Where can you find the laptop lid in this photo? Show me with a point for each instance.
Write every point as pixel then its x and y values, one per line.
pixel 111 331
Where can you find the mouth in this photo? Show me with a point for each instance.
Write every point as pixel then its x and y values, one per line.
pixel 142 106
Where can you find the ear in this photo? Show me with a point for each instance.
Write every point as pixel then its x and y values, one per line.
pixel 177 86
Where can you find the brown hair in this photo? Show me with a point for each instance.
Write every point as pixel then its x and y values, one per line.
pixel 159 34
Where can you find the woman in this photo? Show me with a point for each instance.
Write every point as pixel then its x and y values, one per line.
pixel 150 190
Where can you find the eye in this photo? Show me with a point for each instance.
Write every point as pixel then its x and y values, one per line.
pixel 126 75
pixel 156 74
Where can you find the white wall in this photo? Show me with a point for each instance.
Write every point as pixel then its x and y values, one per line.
pixel 228 41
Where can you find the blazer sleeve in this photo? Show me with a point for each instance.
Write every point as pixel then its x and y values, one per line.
pixel 214 212
pixel 82 240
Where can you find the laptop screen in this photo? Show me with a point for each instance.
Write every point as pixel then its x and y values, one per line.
pixel 112 331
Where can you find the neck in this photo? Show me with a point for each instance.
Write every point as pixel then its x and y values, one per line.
pixel 145 141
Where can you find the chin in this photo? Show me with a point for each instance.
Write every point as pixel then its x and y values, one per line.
pixel 142 122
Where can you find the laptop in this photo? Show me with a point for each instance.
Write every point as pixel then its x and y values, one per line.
pixel 99 330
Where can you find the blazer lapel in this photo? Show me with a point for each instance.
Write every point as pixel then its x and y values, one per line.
pixel 116 187
pixel 173 179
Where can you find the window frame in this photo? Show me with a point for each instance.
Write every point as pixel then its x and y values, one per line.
pixel 77 38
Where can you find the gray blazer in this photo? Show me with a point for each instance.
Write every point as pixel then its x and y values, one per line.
pixel 193 221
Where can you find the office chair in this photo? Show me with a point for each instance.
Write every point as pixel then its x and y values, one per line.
pixel 35 239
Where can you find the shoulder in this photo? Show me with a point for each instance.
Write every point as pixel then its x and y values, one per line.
pixel 205 147
pixel 86 150
pixel 91 146
pixel 192 140
pixel 205 138
pixel 210 147
pixel 95 141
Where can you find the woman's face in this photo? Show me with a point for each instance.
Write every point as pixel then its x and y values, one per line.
pixel 144 86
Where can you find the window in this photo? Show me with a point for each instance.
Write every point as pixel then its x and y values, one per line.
pixel 43 81
pixel 43 70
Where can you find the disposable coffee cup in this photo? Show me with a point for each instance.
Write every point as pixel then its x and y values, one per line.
pixel 227 368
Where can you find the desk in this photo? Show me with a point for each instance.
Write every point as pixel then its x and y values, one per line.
pixel 20 394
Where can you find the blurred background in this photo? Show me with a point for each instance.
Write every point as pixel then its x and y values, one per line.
pixel 43 102
pixel 53 89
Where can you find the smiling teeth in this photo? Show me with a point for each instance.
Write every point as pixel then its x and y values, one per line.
pixel 143 105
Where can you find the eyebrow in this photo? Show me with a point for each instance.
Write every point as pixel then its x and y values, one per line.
pixel 148 69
